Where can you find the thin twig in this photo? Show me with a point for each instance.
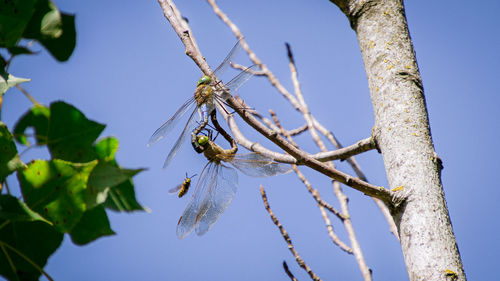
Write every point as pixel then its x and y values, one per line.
pixel 245 68
pixel 288 272
pixel 315 193
pixel 331 137
pixel 357 169
pixel 26 259
pixel 356 249
pixel 173 15
pixel 30 97
pixel 296 104
pixel 269 123
pixel 270 76
pixel 321 203
pixel 304 158
pixel 345 152
pixel 298 131
pixel 301 156
pixel 358 254
pixel 329 227
pixel 285 235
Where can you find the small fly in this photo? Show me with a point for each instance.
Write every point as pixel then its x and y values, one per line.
pixel 183 187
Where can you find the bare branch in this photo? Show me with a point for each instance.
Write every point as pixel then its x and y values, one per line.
pixel 284 233
pixel 315 193
pixel 298 131
pixel 181 27
pixel 332 234
pixel 357 169
pixel 288 272
pixel 270 76
pixel 242 67
pixel 358 254
pixel 331 137
pixel 346 152
pixel 321 203
pixel 302 157
pixel 268 122
pixel 356 249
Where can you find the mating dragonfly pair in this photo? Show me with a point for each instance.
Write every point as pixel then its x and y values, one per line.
pixel 217 183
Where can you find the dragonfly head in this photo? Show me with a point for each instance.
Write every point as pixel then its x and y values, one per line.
pixel 203 141
pixel 205 80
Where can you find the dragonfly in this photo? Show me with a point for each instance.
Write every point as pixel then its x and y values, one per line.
pixel 218 183
pixel 183 187
pixel 208 92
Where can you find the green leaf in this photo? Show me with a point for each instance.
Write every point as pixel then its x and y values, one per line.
pixel 25 238
pixel 23 244
pixel 121 198
pixel 13 209
pixel 9 160
pixel 46 22
pixel 14 17
pixel 104 177
pixel 110 182
pixel 54 30
pixel 106 149
pixel 8 81
pixel 93 224
pixel 62 47
pixel 20 50
pixel 38 118
pixel 71 135
pixel 56 190
pixel 3 63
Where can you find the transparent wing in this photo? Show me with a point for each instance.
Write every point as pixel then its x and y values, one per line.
pixel 175 189
pixel 172 122
pixel 230 56
pixel 237 82
pixel 191 213
pixel 257 165
pixel 219 197
pixel 188 128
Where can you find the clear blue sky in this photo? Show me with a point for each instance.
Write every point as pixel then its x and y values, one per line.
pixel 130 72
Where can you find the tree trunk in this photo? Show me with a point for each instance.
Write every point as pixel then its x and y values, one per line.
pixel 403 135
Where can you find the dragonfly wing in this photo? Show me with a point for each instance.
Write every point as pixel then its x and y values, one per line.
pixel 237 82
pixel 220 196
pixel 191 213
pixel 230 56
pixel 188 128
pixel 257 165
pixel 172 122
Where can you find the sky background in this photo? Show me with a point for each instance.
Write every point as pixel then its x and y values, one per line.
pixel 129 71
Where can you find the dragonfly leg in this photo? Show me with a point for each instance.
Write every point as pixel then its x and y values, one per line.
pixel 194 134
pixel 213 117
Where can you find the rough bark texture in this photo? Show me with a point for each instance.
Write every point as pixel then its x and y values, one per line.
pixel 403 134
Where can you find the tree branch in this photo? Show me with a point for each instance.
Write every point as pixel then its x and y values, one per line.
pixel 288 272
pixel 173 15
pixel 285 235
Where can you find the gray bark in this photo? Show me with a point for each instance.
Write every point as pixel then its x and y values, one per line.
pixel 403 135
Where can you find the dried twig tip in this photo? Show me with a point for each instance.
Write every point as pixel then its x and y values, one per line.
pixel 289 52
pixel 288 272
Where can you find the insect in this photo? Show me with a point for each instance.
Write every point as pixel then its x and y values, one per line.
pixel 218 183
pixel 208 91
pixel 183 187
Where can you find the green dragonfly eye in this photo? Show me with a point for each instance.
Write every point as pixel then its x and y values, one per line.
pixel 202 140
pixel 204 80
